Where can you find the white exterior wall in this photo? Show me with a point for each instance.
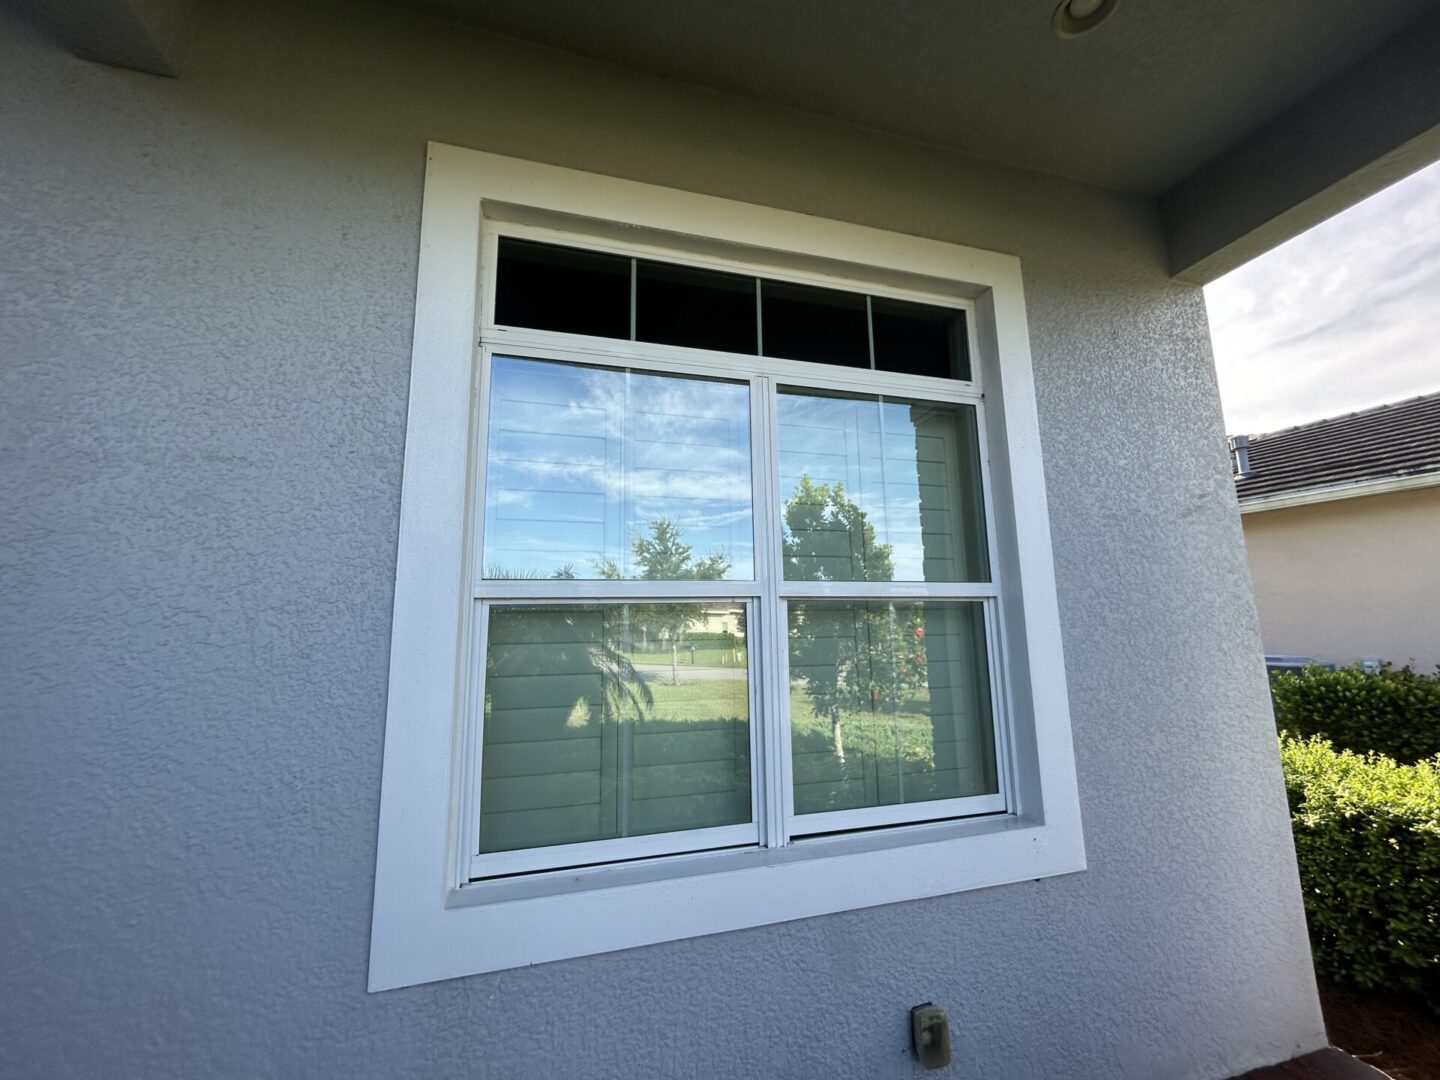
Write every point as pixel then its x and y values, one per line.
pixel 209 288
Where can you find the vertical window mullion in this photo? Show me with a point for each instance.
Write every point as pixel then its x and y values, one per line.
pixel 759 322
pixel 757 629
pixel 870 329
pixel 634 294
pixel 1000 703
pixel 756 701
pixel 774 717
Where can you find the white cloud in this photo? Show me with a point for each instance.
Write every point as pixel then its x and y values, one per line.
pixel 1342 317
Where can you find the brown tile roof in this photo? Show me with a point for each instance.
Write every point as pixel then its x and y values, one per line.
pixel 1399 439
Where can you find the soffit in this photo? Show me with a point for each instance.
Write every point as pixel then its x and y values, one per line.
pixel 1137 105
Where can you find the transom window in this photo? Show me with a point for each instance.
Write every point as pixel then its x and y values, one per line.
pixel 618 296
pixel 722 605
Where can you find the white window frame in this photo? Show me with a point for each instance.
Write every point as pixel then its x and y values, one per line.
pixel 774 822
pixel 432 918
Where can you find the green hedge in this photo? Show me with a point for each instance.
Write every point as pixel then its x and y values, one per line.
pixel 1395 712
pixel 1367 835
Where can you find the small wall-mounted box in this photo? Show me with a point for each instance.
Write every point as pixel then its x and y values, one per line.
pixel 930 1035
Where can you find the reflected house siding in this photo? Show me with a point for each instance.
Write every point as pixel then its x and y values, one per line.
pixel 947 471
pixel 569 759
pixel 927 737
pixel 911 470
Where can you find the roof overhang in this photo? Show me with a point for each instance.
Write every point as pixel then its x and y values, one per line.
pixel 1247 122
pixel 1373 124
pixel 142 35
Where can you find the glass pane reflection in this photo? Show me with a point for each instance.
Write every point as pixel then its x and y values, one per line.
pixel 824 326
pixel 889 703
pixel 550 287
pixel 920 339
pixel 879 489
pixel 604 721
pixel 608 473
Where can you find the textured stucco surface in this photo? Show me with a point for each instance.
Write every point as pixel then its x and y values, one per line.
pixel 1349 579
pixel 208 287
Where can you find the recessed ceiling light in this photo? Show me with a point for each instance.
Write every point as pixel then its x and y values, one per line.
pixel 1076 17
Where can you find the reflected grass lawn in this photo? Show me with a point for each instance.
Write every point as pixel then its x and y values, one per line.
pixel 704 700
pixel 705 655
pixel 865 734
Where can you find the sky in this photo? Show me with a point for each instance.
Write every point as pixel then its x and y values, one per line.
pixel 1340 318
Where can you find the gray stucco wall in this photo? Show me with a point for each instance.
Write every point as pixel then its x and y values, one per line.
pixel 207 290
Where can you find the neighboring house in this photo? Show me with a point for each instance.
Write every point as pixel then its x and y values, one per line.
pixel 1342 525
pixel 353 354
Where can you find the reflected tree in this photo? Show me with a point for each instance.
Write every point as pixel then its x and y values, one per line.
pixel 856 657
pixel 661 554
pixel 828 537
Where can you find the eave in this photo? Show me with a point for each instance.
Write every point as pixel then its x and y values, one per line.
pixel 1351 489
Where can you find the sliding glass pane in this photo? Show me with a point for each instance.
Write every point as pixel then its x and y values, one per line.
pixel 549 287
pixel 880 489
pixel 889 703
pixel 604 721
pixel 607 473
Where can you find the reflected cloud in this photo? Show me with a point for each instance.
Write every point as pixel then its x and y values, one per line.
pixel 583 460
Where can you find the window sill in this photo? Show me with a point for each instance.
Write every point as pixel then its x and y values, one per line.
pixel 495 925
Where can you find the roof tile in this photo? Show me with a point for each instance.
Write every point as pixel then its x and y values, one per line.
pixel 1398 439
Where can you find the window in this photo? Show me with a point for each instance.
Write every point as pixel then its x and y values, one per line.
pixel 613 726
pixel 716 604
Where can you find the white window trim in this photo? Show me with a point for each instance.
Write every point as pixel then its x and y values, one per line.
pixel 426 926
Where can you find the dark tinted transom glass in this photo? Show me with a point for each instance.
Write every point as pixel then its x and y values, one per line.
pixel 552 287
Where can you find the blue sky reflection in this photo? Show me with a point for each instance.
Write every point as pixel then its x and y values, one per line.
pixel 581 461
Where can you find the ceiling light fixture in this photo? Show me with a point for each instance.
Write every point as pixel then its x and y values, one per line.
pixel 1076 17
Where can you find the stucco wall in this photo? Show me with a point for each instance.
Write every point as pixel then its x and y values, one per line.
pixel 1349 579
pixel 208 291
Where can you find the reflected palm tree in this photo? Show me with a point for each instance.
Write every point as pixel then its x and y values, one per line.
pixel 524 644
pixel 573 726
